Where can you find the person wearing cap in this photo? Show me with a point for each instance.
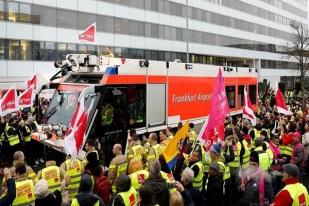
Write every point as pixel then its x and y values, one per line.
pixel 298 154
pixel 43 195
pixel 245 148
pixel 85 196
pixel 126 194
pixel 287 140
pixel 196 165
pixel 256 184
pixel 214 191
pixel 277 162
pixel 265 155
pixel 294 193
pixel 222 158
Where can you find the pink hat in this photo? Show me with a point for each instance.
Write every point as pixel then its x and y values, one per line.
pixel 297 135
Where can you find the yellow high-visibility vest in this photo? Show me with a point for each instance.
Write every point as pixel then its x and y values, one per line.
pixel 74 170
pixel 198 180
pixel 52 175
pixel 27 138
pixel 24 193
pixel 138 178
pixel 246 157
pixel 129 197
pixel 13 139
pixel 298 193
pixel 236 162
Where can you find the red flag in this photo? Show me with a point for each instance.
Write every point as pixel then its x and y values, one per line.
pixel 9 102
pixel 31 83
pixel 248 109
pixel 281 106
pixel 219 109
pixel 76 133
pixel 26 98
pixel 88 35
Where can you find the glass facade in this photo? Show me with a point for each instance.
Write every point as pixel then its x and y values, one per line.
pixel 63 18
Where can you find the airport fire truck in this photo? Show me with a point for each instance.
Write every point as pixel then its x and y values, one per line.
pixel 136 93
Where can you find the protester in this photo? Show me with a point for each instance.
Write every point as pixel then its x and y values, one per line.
pixel 44 197
pixel 85 196
pixel 11 189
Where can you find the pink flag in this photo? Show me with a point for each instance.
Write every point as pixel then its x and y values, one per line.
pixel 281 106
pixel 219 109
pixel 88 35
pixel 248 109
pixel 9 102
pixel 31 83
pixel 26 98
pixel 76 133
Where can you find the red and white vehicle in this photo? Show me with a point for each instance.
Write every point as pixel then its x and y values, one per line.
pixel 146 95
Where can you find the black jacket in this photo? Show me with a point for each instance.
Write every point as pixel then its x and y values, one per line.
pixel 251 194
pixel 9 198
pixel 88 199
pixel 160 189
pixel 53 199
pixel 214 192
pixel 195 194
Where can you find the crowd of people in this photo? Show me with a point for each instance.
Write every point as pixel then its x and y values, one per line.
pixel 261 164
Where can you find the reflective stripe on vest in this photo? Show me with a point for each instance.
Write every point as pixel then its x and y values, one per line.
pixel 52 175
pixel 13 139
pixel 74 170
pixel 168 177
pixel 246 156
pixel 264 158
pixel 198 180
pixel 298 193
pixel 76 203
pixel 27 138
pixel 157 149
pixel 225 170
pixel 236 162
pixel 137 151
pixel 138 178
pixel 129 198
pixel 24 193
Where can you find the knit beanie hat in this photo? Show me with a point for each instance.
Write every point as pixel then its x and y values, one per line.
pixel 41 189
pixel 254 157
pixel 216 148
pixel 291 170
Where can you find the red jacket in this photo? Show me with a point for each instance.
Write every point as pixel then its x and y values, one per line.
pixel 283 198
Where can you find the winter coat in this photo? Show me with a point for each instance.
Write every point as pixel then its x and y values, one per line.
pixel 194 193
pixel 53 199
pixel 251 193
pixel 214 192
pixel 9 198
pixel 160 189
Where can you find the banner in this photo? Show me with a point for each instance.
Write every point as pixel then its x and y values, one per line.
pixel 9 102
pixel 31 83
pixel 281 106
pixel 248 109
pixel 88 35
pixel 218 111
pixel 26 98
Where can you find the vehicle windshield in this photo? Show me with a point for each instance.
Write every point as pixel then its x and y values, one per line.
pixel 62 107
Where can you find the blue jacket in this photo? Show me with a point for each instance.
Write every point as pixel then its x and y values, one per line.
pixel 9 198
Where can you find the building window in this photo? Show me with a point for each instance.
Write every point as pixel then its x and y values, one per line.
pixel 2 48
pixel 252 93
pixel 84 20
pixel 66 18
pixel 44 15
pixel 13 11
pixel 25 13
pixel 2 12
pixel 14 49
pixel 25 50
pixel 230 93
pixel 241 100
